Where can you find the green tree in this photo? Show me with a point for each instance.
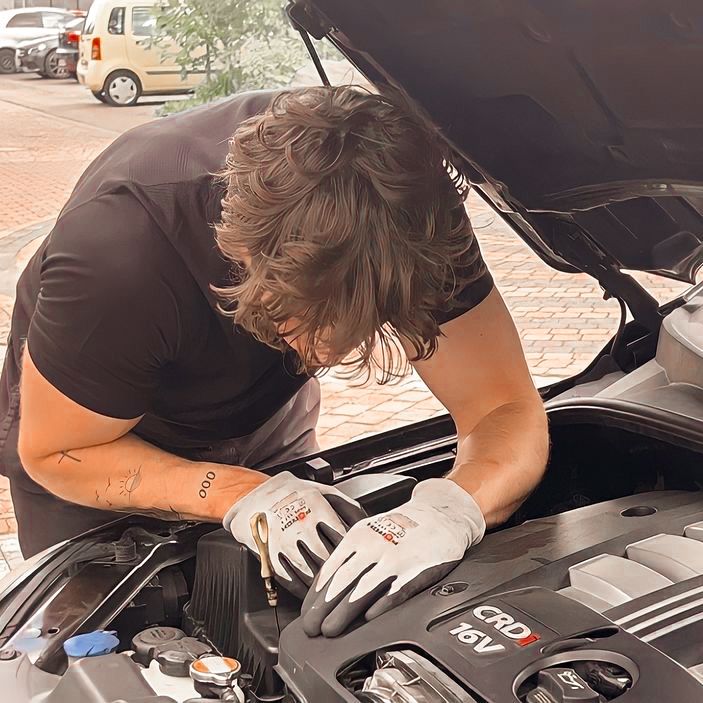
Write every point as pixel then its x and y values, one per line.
pixel 237 44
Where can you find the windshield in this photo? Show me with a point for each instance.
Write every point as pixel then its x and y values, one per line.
pixel 91 17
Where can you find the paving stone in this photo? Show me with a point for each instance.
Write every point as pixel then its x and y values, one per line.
pixel 350 409
pixel 328 421
pixel 393 406
pixel 10 550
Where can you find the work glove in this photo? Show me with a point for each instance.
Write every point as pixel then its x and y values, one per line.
pixel 385 559
pixel 306 520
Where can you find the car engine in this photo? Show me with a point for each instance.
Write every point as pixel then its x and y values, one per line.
pixel 597 604
pixel 603 603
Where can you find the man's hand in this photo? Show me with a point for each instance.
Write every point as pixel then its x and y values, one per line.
pixel 387 558
pixel 306 520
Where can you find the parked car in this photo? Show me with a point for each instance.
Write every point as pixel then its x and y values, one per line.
pixel 69 47
pixel 26 24
pixel 578 122
pixel 42 55
pixel 119 60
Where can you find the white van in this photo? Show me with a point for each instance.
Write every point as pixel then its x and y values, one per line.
pixel 118 58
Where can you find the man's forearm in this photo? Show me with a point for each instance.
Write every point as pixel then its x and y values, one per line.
pixel 130 475
pixel 501 460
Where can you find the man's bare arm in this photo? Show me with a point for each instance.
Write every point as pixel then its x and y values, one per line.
pixel 480 375
pixel 94 460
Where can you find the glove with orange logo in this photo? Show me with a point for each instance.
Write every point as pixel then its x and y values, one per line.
pixel 385 559
pixel 306 520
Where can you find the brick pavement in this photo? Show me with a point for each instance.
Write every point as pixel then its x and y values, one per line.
pixel 562 319
pixel 43 157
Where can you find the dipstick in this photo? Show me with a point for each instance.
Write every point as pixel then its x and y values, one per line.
pixel 260 532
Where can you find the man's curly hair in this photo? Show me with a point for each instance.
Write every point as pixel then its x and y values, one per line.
pixel 350 216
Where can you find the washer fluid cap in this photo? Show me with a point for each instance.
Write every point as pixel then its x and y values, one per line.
pixel 216 671
pixel 91 644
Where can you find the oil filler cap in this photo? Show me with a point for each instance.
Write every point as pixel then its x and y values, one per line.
pixel 176 660
pixel 149 643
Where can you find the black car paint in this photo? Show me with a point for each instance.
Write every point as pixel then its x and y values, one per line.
pixel 579 121
pixel 31 55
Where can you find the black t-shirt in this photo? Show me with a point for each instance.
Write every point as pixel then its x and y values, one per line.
pixel 117 304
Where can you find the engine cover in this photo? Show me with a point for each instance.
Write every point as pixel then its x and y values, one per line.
pixel 529 606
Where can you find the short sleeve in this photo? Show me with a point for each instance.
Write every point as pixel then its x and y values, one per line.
pixel 475 291
pixel 106 320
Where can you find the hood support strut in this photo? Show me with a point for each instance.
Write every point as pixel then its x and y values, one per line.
pixel 571 242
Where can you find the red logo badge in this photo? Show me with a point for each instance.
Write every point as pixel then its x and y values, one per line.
pixel 528 640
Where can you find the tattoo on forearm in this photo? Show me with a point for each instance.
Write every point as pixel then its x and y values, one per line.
pixel 205 485
pixel 102 497
pixel 66 455
pixel 131 482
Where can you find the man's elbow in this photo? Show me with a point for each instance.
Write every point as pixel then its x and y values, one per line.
pixel 536 405
pixel 538 432
pixel 37 465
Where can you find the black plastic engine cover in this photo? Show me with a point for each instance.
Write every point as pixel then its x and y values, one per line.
pixel 496 619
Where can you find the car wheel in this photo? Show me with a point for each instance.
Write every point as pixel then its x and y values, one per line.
pixel 99 95
pixel 122 89
pixel 7 61
pixel 52 69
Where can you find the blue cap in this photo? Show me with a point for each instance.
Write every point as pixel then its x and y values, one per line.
pixel 91 644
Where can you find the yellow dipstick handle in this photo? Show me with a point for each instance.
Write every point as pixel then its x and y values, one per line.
pixel 260 532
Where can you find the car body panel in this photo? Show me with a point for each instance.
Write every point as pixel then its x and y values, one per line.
pixel 68 49
pixel 68 59
pixel 31 54
pixel 578 120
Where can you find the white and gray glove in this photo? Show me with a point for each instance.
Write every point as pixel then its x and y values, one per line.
pixel 385 559
pixel 306 520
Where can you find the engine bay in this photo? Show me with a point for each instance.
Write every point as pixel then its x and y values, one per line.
pixel 599 604
pixel 593 592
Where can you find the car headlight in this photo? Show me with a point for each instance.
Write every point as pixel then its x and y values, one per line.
pixel 41 47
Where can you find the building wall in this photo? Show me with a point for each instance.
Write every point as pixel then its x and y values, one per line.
pixel 68 4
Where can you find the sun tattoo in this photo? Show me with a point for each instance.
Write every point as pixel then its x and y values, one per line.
pixel 131 482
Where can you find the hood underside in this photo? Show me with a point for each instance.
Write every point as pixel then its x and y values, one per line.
pixel 580 120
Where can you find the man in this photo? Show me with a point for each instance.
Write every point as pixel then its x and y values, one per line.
pixel 204 269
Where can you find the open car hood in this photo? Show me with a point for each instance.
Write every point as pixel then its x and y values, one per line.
pixel 580 120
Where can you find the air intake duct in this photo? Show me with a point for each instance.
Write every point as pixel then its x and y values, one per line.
pixel 228 608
